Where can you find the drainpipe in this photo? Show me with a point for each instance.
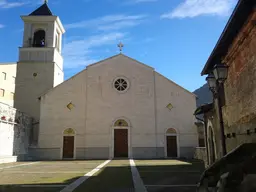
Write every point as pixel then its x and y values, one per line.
pixel 221 124
pixel 205 141
pixel 218 108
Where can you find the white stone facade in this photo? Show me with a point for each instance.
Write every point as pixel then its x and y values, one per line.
pixel 97 105
pixel 40 68
pixel 7 82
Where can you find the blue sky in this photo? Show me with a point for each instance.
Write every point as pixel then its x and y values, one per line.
pixel 173 36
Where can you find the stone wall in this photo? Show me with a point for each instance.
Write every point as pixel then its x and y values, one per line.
pixel 239 111
pixel 201 134
pixel 200 153
pixel 15 129
pixel 213 136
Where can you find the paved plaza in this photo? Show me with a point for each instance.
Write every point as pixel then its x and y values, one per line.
pixel 101 176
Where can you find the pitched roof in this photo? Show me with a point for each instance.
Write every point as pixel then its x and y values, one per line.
pixel 118 55
pixel 122 55
pixel 239 16
pixel 43 10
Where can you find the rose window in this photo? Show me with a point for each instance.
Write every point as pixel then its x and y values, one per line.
pixel 121 84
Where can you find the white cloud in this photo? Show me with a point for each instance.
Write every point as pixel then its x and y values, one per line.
pixel 6 4
pixel 194 8
pixel 77 53
pixel 110 22
pixel 1 26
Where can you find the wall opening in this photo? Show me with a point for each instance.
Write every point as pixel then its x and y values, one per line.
pixel 171 143
pixel 68 147
pixel 39 38
pixel 121 138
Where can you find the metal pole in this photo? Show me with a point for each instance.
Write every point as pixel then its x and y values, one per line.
pixel 221 123
pixel 206 139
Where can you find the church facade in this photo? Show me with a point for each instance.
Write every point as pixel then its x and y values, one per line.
pixel 118 107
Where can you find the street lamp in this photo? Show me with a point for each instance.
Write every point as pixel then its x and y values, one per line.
pixel 220 72
pixel 211 82
pixel 214 80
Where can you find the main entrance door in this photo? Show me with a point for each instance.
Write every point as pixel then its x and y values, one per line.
pixel 68 146
pixel 171 146
pixel 120 142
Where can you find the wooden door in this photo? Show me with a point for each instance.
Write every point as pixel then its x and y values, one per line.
pixel 121 143
pixel 171 146
pixel 68 147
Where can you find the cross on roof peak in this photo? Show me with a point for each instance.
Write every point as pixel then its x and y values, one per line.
pixel 45 1
pixel 120 45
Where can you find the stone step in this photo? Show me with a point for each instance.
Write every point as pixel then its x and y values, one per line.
pixel 8 159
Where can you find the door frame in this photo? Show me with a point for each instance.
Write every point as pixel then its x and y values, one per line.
pixel 61 149
pixel 165 143
pixel 112 155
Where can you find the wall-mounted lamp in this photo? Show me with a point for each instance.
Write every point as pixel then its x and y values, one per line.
pixel 215 79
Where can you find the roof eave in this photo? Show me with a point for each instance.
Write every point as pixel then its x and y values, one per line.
pixel 206 69
pixel 33 18
pixel 203 109
pixel 60 25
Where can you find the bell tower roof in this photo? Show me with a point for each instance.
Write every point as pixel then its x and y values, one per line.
pixel 43 10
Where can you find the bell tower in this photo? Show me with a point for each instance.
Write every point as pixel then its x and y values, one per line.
pixel 40 65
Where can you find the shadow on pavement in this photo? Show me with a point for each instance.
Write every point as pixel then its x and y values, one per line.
pixel 117 177
pixel 44 187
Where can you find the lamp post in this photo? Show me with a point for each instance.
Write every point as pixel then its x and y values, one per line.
pixel 215 80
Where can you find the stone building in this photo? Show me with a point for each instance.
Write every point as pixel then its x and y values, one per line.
pixel 7 82
pixel 15 128
pixel 118 107
pixel 237 49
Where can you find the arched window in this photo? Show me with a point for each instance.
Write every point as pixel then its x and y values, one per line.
pixel 121 123
pixel 69 131
pixel 171 131
pixel 39 38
